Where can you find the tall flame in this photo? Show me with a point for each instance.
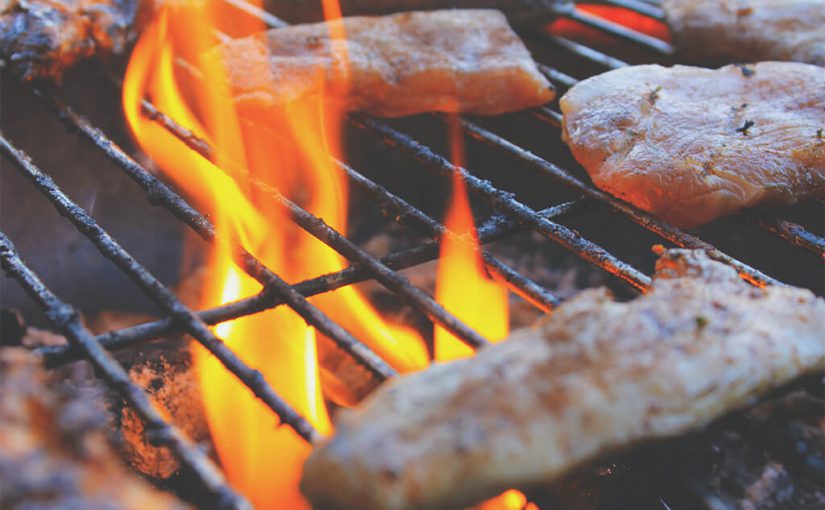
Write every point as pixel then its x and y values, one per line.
pixel 464 289
pixel 260 459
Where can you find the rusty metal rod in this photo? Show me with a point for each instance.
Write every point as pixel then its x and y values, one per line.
pixel 792 232
pixel 505 201
pixel 556 76
pixel 161 433
pixel 622 32
pixel 581 50
pixel 658 227
pixel 494 229
pixel 161 194
pixel 414 296
pixel 520 284
pixel 526 288
pixel 639 6
pixel 154 289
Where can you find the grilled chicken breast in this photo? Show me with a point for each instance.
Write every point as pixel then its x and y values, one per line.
pixel 596 377
pixel 42 38
pixel 726 31
pixel 691 144
pixel 464 60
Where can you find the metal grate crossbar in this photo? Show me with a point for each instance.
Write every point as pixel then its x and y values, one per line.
pixel 512 216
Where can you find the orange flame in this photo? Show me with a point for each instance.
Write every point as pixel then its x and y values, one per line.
pixel 464 289
pixel 260 459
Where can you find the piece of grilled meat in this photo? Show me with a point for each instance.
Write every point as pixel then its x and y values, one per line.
pixel 54 448
pixel 41 38
pixel 728 31
pixel 597 376
pixel 451 60
pixel 517 11
pixel 691 144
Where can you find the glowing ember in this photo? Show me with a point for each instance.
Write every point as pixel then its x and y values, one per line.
pixel 569 28
pixel 260 459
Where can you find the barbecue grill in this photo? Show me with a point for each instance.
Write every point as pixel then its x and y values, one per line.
pixel 563 58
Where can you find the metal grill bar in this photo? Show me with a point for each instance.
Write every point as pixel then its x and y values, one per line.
pixel 335 240
pixel 504 201
pixel 660 228
pixel 581 50
pixel 639 6
pixel 526 288
pixel 153 288
pixel 416 297
pixel 497 228
pixel 556 76
pixel 792 232
pixel 160 433
pixel 620 31
pixel 160 193
pixel 521 285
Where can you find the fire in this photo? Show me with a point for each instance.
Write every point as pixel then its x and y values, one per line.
pixel 465 290
pixel 260 459
pixel 463 287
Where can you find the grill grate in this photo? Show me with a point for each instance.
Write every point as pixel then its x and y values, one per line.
pixel 512 216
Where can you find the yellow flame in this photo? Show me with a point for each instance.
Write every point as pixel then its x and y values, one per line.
pixel 260 459
pixel 464 289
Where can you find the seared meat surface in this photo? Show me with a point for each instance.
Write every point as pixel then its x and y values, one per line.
pixel 517 11
pixel 595 377
pixel 54 448
pixel 464 60
pixel 726 31
pixel 41 38
pixel 691 144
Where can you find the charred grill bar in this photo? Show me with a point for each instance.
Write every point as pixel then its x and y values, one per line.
pixel 513 216
pixel 497 228
pixel 161 433
pixel 153 288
